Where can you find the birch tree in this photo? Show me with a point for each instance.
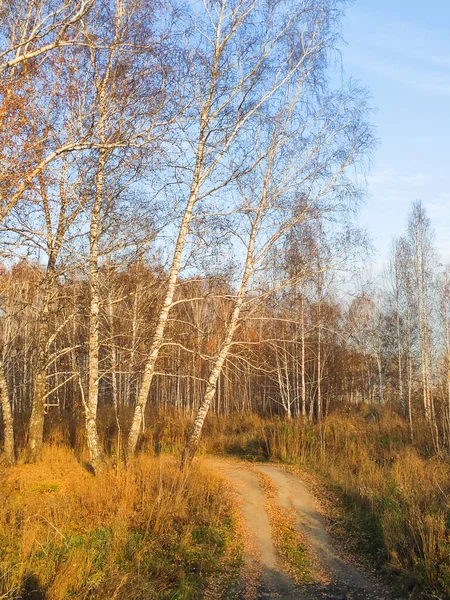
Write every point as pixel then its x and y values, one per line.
pixel 130 108
pixel 422 254
pixel 8 419
pixel 66 214
pixel 301 172
pixel 29 33
pixel 32 29
pixel 395 267
pixel 445 308
pixel 242 52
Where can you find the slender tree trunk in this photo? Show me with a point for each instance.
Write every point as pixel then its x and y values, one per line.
pixel 319 323
pixel 319 370
pixel 426 354
pixel 93 441
pixel 283 383
pixel 36 427
pixel 114 378
pixel 216 369
pixel 409 357
pixel 447 344
pixel 399 339
pixel 158 336
pixel 422 320
pixel 312 401
pixel 194 438
pixel 380 382
pixel 8 419
pixel 287 383
pixel 302 325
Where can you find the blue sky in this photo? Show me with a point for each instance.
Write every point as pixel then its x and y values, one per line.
pixel 400 51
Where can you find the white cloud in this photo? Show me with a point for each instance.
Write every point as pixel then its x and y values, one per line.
pixel 417 78
pixel 391 177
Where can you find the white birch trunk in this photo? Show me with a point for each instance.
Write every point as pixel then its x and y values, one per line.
pixel 158 336
pixel 409 354
pixel 302 325
pixel 36 427
pixel 217 366
pixel 93 442
pixel 8 420
pixel 447 341
pixel 194 439
pixel 319 370
pixel 399 340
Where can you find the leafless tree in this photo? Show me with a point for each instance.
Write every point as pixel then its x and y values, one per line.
pixel 294 182
pixel 241 55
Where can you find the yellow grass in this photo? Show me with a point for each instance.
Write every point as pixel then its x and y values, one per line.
pixel 146 533
pixel 397 495
pixel 149 532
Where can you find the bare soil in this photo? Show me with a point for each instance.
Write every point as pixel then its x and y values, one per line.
pixel 263 576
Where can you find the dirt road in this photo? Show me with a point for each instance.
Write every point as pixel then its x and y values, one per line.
pixel 263 573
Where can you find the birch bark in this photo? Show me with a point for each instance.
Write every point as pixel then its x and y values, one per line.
pixel 218 102
pixel 8 420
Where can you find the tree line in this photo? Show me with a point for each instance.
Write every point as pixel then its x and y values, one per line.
pixel 177 197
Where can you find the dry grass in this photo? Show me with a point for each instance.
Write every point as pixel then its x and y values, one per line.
pixel 146 534
pixel 149 532
pixel 290 544
pixel 397 495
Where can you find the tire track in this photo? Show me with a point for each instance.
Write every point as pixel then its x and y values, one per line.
pixel 334 578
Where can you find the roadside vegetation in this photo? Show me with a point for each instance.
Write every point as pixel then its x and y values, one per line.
pixel 390 497
pixel 395 495
pixel 148 532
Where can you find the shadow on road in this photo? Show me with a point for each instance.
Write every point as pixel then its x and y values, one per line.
pixel 274 584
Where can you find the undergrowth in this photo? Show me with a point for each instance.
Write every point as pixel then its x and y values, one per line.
pixel 396 497
pixel 147 533
pixel 395 494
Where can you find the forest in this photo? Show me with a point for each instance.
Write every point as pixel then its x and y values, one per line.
pixel 183 275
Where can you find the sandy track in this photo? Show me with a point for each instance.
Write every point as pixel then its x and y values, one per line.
pixel 335 578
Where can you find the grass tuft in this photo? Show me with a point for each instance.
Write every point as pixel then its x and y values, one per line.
pixel 147 533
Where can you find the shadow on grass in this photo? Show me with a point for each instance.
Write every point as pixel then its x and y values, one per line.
pixel 31 588
pixel 254 450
